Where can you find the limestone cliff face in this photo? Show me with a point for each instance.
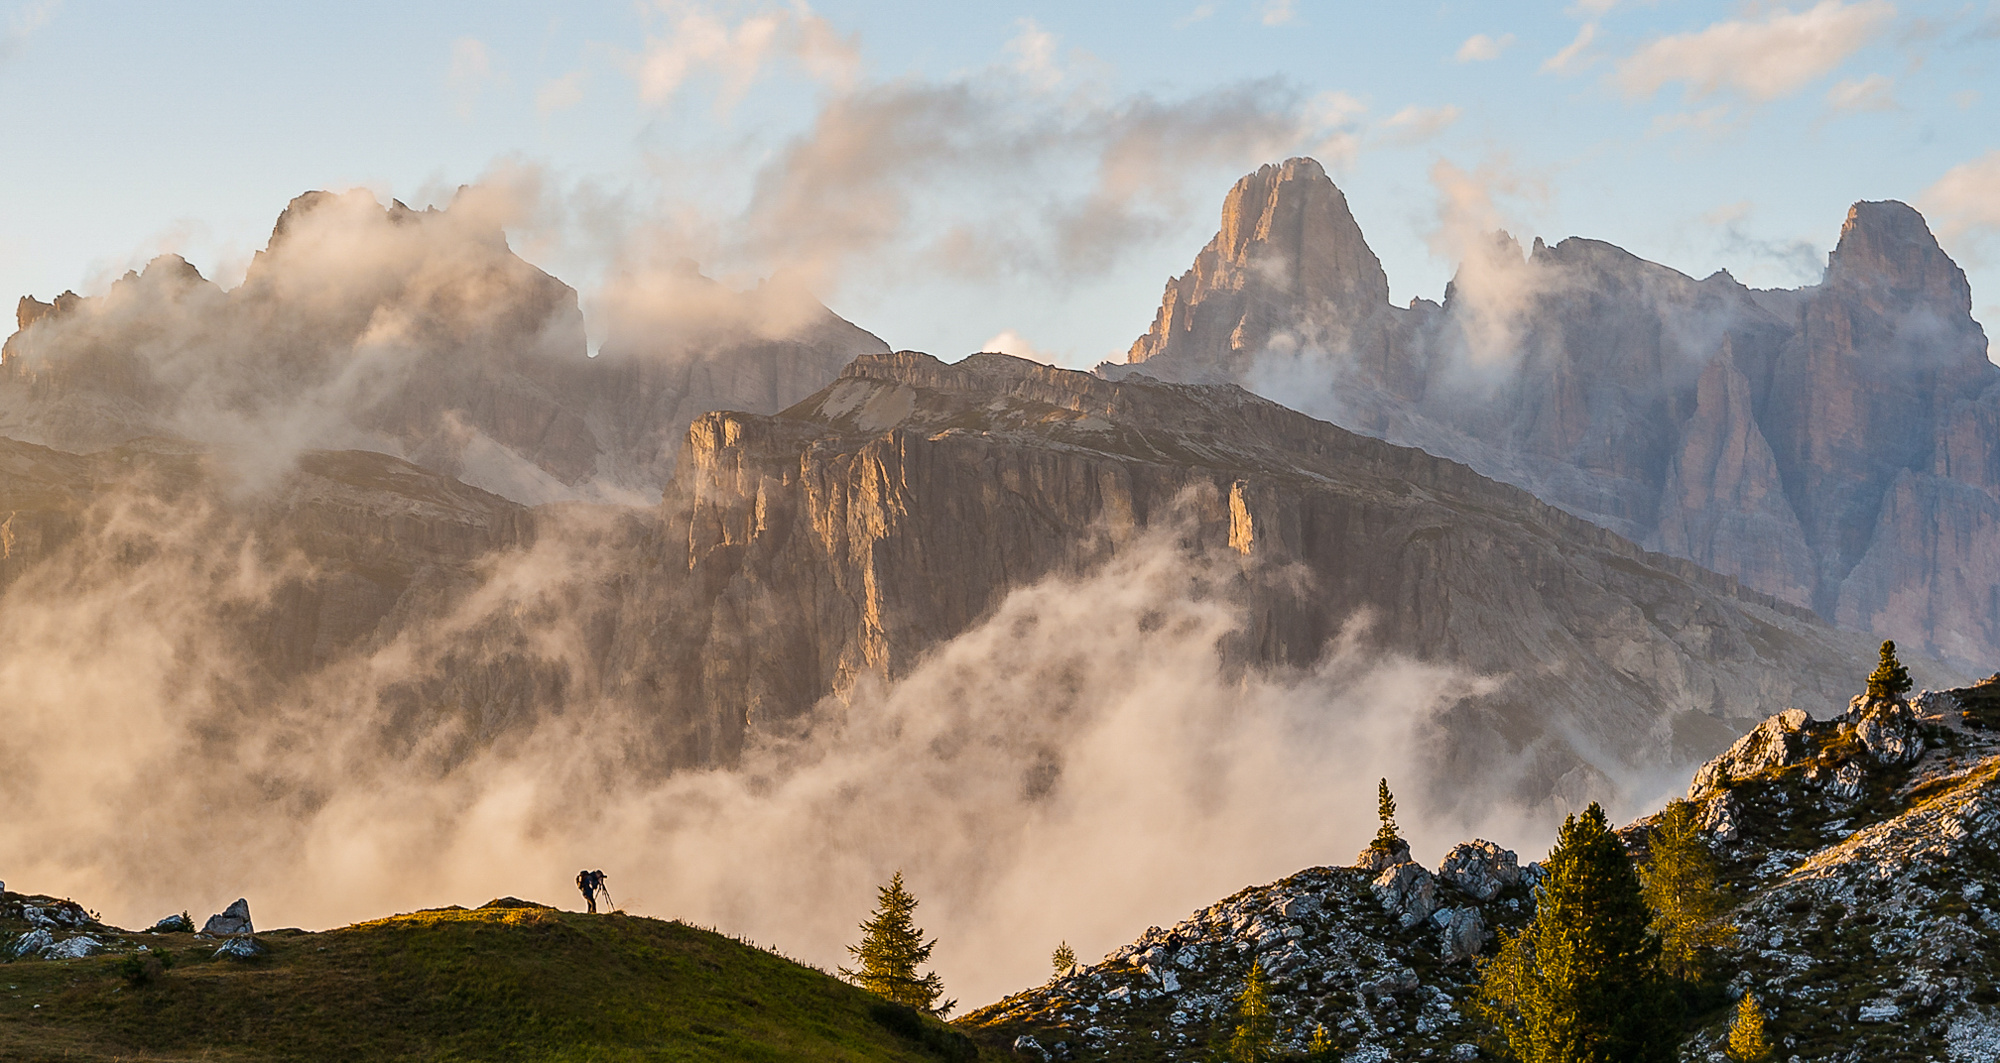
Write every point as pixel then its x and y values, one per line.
pixel 417 332
pixel 1782 437
pixel 814 541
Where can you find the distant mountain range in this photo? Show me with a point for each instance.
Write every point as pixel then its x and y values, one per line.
pixel 1835 446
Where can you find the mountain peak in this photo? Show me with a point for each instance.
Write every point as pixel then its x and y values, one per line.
pixel 1288 256
pixel 1885 246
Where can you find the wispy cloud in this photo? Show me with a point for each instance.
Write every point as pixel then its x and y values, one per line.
pixel 471 74
pixel 1573 56
pixel 1415 124
pixel 1479 47
pixel 1759 59
pixel 700 42
pixel 1876 92
pixel 1200 12
pixel 560 94
pixel 24 25
pixel 1965 202
pixel 1280 12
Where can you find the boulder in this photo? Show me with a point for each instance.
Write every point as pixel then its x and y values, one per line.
pixel 240 948
pixel 75 948
pixel 1480 868
pixel 1846 784
pixel 33 941
pixel 173 924
pixel 1887 729
pixel 1407 892
pixel 1719 815
pixel 1377 860
pixel 1778 741
pixel 1462 933
pixel 234 920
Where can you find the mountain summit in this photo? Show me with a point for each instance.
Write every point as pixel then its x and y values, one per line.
pixel 1831 445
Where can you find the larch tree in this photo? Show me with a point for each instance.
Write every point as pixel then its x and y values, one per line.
pixel 1256 1029
pixel 892 948
pixel 1889 679
pixel 1579 983
pixel 1063 958
pixel 1747 1041
pixel 1682 887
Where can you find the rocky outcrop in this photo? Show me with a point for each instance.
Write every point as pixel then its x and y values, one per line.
pixel 1480 869
pixel 1832 446
pixel 417 333
pixel 827 516
pixel 231 921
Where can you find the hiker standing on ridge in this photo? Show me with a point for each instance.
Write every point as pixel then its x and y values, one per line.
pixel 591 883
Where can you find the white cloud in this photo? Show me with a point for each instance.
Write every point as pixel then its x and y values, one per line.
pixel 1200 12
pixel 1759 59
pixel 1965 202
pixel 1572 57
pixel 1034 52
pixel 470 75
pixel 1415 124
pixel 560 94
pixel 699 41
pixel 1479 47
pixel 1012 342
pixel 1876 92
pixel 1280 12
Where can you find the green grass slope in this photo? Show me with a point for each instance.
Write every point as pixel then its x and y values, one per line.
pixel 496 983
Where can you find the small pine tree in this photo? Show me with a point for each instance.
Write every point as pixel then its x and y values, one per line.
pixel 1578 984
pixel 892 948
pixel 1063 958
pixel 1681 887
pixel 1747 1043
pixel 1889 679
pixel 1386 836
pixel 1256 1029
pixel 1321 1045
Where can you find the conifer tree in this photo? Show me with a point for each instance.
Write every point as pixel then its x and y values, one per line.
pixel 892 948
pixel 1681 887
pixel 1386 837
pixel 1578 984
pixel 1255 1027
pixel 1321 1045
pixel 1747 1043
pixel 1063 958
pixel 1889 679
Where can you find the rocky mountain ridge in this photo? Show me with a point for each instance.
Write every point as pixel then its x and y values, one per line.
pixel 418 333
pixel 1859 850
pixel 1831 445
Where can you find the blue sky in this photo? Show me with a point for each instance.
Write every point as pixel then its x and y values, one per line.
pixel 944 174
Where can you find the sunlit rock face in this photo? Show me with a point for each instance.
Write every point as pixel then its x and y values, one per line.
pixel 1834 446
pixel 418 333
pixel 813 541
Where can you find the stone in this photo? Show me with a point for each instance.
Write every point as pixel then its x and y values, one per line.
pixel 240 948
pixel 173 924
pixel 1374 859
pixel 233 920
pixel 1480 868
pixel 1464 1051
pixel 1887 729
pixel 1846 784
pixel 1879 1011
pixel 75 948
pixel 33 941
pixel 1026 1045
pixel 1461 933
pixel 1719 815
pixel 1407 892
pixel 1774 743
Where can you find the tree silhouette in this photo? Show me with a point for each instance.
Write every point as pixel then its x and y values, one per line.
pixel 1889 679
pixel 891 950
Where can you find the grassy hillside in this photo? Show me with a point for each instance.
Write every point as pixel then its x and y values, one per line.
pixel 496 983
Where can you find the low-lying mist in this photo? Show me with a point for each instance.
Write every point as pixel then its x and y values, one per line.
pixel 1082 763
